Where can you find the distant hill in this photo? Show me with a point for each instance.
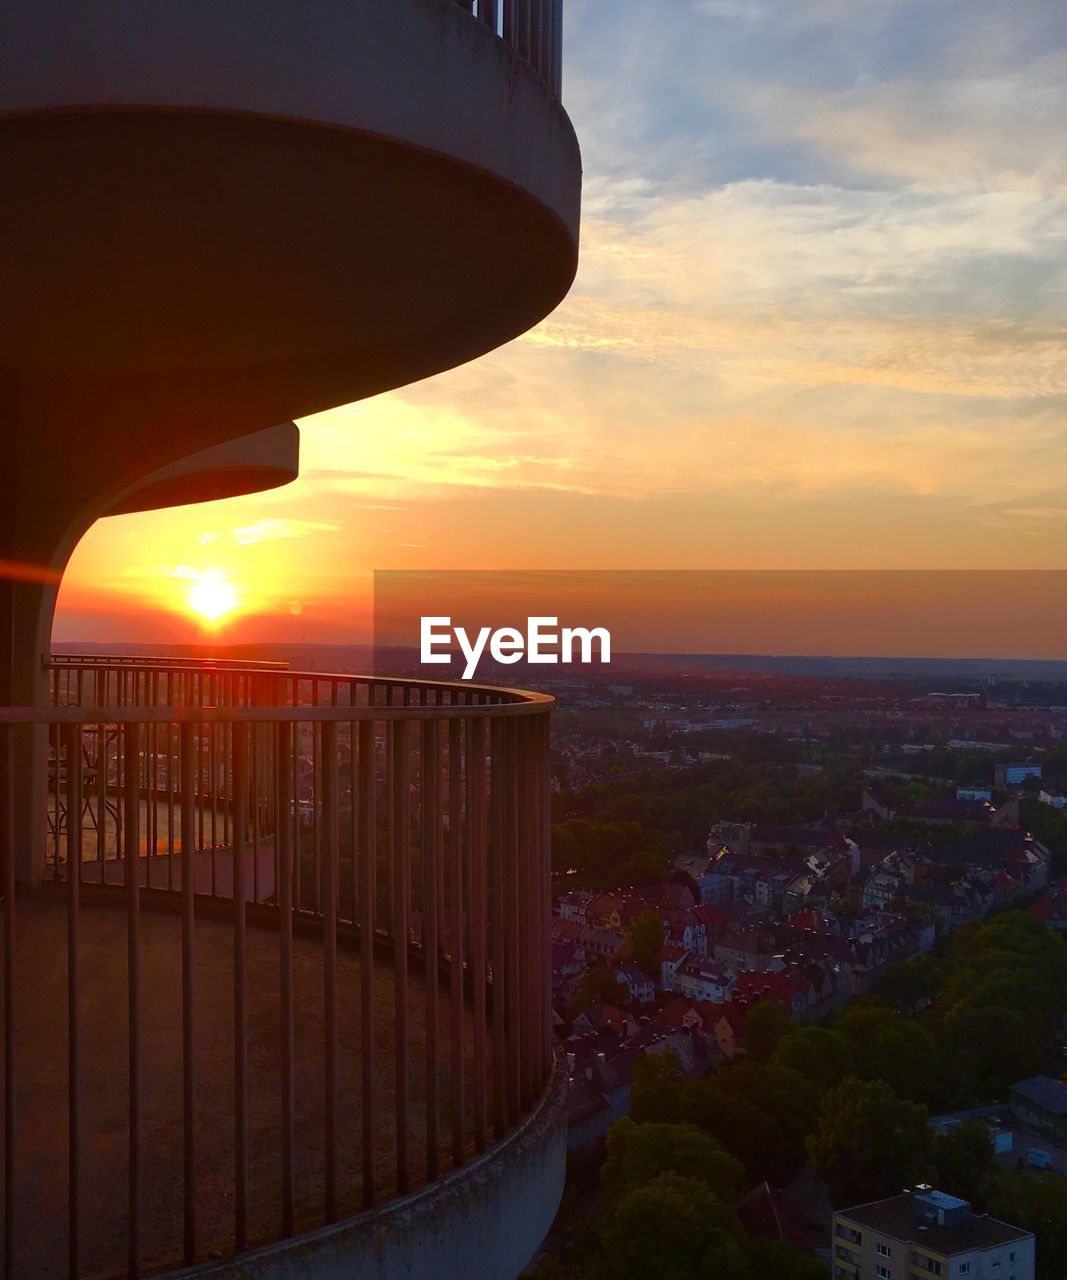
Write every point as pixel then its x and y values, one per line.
pixel 361 658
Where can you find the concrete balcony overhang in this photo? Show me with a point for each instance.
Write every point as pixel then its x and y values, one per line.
pixel 263 460
pixel 226 215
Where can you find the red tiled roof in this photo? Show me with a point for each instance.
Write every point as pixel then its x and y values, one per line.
pixel 766 1212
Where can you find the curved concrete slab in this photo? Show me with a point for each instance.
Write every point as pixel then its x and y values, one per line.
pixel 263 460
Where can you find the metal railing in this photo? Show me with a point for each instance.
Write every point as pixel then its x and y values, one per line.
pixel 387 836
pixel 533 28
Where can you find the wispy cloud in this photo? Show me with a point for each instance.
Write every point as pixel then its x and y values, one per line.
pixel 279 527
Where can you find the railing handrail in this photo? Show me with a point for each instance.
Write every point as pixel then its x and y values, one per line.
pixel 117 660
pixel 527 704
pixel 146 704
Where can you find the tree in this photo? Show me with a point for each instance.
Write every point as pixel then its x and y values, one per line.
pixel 1038 1203
pixel 646 939
pixel 765 1024
pixel 668 1230
pixel 599 986
pixel 964 1163
pixel 909 983
pixel 761 1115
pixel 778 1258
pixel 639 1153
pixel 868 1143
pixel 656 1089
pixel 822 1057
pixel 990 1049
pixel 887 1046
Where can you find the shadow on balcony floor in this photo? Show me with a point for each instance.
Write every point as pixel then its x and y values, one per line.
pixel 41 1076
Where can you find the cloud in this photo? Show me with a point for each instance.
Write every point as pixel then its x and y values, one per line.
pixel 272 529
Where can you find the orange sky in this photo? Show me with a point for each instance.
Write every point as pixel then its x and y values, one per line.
pixel 819 323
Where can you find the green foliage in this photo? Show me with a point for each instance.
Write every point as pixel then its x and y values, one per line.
pixel 670 1229
pixel 869 1143
pixel 599 986
pixel 657 1088
pixel 646 939
pixel 822 1057
pixel 887 1046
pixel 963 1162
pixel 1038 1203
pixel 1003 997
pixel 760 1114
pixel 1049 825
pixel 990 1048
pixel 778 1259
pixel 605 855
pixel 765 1024
pixel 911 982
pixel 638 1153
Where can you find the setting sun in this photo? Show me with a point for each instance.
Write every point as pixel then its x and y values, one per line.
pixel 212 597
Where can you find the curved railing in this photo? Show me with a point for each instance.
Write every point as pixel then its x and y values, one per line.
pixel 386 835
pixel 533 28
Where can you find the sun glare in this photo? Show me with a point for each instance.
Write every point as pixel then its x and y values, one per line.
pixel 212 597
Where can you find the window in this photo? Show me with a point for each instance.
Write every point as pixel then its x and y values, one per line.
pixel 883 1250
pixel 965 1269
pixel 883 1273
pixel 996 1264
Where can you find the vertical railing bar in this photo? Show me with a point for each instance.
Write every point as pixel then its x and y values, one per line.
pixel 74 854
pixel 101 788
pixel 368 855
pixel 329 968
pixel 132 841
pixel 402 828
pixel 284 830
pixel 477 829
pixel 537 60
pixel 457 888
pixel 512 917
pixel 298 820
pixel 240 990
pixel 254 810
pixel 187 842
pixel 544 842
pixel 431 788
pixel 497 922
pixel 526 918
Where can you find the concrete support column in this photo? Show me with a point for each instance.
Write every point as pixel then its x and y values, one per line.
pixel 28 593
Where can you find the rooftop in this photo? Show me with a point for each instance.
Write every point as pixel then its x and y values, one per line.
pixel 1050 1095
pixel 897 1218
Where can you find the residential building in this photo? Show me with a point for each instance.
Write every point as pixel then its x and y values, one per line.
pixel 927 1235
pixel 1011 775
pixel 753 949
pixel 668 959
pixel 701 981
pixel 641 987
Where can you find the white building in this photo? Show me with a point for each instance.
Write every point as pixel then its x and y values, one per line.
pixel 926 1233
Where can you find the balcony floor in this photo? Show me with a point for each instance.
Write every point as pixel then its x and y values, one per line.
pixel 41 1085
